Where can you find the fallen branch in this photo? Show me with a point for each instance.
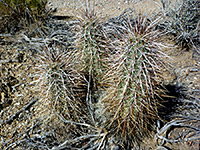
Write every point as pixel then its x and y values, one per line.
pixel 5 61
pixel 16 115
pixel 20 135
pixel 176 123
pixel 62 146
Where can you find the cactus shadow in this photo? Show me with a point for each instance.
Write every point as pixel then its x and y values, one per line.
pixel 172 102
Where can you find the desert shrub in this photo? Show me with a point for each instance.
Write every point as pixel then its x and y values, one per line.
pixel 17 14
pixel 134 84
pixel 182 21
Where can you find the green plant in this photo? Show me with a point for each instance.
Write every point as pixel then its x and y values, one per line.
pixel 92 43
pixel 182 21
pixel 60 86
pixel 18 14
pixel 131 97
pixel 92 49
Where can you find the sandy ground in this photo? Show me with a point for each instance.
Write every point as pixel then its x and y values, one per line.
pixel 108 8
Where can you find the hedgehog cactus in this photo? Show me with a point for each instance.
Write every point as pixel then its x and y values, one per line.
pixel 59 84
pixel 130 99
pixel 92 43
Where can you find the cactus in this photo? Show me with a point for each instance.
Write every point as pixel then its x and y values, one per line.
pixel 92 43
pixel 92 50
pixel 130 99
pixel 59 84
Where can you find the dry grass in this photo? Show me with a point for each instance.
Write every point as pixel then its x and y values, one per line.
pixel 181 21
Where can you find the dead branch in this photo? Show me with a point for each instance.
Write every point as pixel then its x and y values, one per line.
pixel 20 135
pixel 176 123
pixel 62 146
pixel 16 115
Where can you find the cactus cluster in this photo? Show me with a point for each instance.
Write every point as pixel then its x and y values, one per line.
pixel 107 83
pixel 108 78
pixel 111 78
